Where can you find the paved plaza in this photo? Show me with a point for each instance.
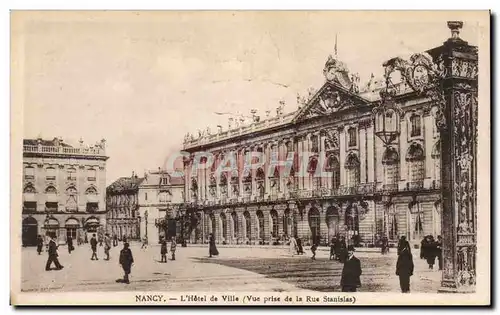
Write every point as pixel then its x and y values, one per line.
pixel 236 269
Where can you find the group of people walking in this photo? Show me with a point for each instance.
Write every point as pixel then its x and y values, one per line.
pixel 430 249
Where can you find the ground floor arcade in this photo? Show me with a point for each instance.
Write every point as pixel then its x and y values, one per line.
pixel 79 226
pixel 360 221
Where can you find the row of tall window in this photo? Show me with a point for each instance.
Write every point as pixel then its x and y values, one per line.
pixel 51 173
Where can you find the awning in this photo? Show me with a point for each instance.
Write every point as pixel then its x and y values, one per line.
pixel 52 223
pixel 72 223
pixel 29 197
pixel 92 221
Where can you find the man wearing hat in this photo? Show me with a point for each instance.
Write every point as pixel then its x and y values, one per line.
pixel 52 251
pixel 351 272
pixel 126 261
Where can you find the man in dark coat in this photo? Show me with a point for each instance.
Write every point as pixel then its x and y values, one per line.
pixel 333 248
pixel 300 249
pixel 52 251
pixel 93 245
pixel 69 240
pixel 212 250
pixel 439 251
pixel 126 261
pixel 404 266
pixel 342 249
pixel 163 250
pixel 430 251
pixel 351 272
pixel 39 244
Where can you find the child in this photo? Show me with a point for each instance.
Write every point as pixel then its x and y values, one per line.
pixel 163 250
pixel 313 250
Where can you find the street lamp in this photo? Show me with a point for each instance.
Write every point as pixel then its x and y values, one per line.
pixel 387 115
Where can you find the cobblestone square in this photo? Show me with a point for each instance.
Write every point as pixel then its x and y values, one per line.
pixel 236 269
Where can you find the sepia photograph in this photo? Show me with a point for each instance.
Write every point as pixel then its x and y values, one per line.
pixel 250 157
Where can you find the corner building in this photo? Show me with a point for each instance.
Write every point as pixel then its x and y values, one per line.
pixel 64 190
pixel 373 189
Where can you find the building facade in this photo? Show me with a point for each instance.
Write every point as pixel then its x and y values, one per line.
pixel 122 204
pixel 161 200
pixel 63 189
pixel 326 167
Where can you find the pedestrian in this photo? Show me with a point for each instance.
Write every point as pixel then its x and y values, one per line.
pixel 173 246
pixel 107 245
pixel 313 249
pixel 144 242
pixel 300 250
pixel 293 245
pixel 100 239
pixel 404 266
pixel 52 252
pixel 93 246
pixel 163 250
pixel 115 240
pixel 350 279
pixel 126 261
pixel 439 251
pixel 402 243
pixel 69 241
pixel 333 247
pixel 342 250
pixel 430 251
pixel 39 244
pixel 212 249
pixel 86 240
pixel 384 245
pixel 423 244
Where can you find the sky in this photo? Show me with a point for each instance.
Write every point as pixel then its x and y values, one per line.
pixel 143 80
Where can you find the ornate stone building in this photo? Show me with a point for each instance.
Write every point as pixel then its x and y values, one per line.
pixel 161 198
pixel 383 166
pixel 122 204
pixel 63 189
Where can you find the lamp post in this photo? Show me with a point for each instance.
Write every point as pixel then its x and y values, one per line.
pixel 146 223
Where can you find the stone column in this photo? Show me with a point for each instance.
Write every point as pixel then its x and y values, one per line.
pixel 267 227
pixel 458 130
pixel 342 156
pixel 280 222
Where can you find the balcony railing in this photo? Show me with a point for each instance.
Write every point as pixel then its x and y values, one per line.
pixel 345 190
pixel 417 185
pixel 71 178
pixel 50 178
pixel 63 150
pixel 366 188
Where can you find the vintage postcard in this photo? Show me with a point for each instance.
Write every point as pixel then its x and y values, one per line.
pixel 250 158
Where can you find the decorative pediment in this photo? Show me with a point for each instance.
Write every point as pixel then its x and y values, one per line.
pixel 330 99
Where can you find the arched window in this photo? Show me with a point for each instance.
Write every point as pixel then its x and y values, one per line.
pixel 416 221
pixel 224 225
pixel 51 190
pixel 72 201
pixel 164 196
pixel 260 220
pixel 352 165
pixel 314 144
pixel 236 230
pixel 275 223
pixel 352 137
pixel 287 223
pixel 392 222
pixel 314 224
pixel 91 191
pixel 248 224
pixel 415 158
pixel 332 221
pixel 333 166
pixel 390 160
pixel 415 125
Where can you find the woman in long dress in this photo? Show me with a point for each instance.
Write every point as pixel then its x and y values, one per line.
pixel 212 248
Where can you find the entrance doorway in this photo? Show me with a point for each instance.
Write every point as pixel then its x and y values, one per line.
pixel 30 231
pixel 314 224
pixel 332 221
